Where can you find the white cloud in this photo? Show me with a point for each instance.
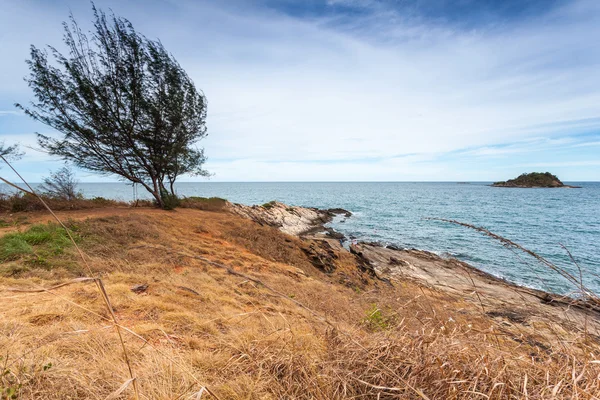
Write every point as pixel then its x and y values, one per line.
pixel 284 92
pixel 589 163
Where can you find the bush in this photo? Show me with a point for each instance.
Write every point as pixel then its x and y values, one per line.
pixel 20 202
pixel 169 201
pixel 269 205
pixel 61 185
pixel 203 203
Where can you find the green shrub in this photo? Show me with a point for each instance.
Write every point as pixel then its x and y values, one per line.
pixel 376 320
pixel 36 245
pixel 269 205
pixel 103 202
pixel 203 203
pixel 13 247
pixel 170 201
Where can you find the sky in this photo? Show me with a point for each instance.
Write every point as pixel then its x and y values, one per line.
pixel 355 90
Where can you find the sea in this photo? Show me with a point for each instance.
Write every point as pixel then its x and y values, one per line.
pixel 546 221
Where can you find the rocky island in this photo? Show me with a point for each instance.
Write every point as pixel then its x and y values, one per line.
pixel 534 180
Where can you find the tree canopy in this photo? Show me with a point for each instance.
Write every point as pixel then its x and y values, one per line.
pixel 122 104
pixel 11 152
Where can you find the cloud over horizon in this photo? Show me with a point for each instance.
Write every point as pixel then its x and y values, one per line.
pixel 359 89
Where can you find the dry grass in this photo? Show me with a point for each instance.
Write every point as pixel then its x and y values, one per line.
pixel 199 325
pixel 11 203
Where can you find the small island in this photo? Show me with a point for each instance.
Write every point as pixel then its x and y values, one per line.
pixel 534 180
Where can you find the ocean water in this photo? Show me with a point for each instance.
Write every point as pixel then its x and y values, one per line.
pixel 396 212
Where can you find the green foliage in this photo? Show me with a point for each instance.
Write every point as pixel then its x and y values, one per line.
pixel 10 153
pixel 9 384
pixel 123 104
pixel 376 320
pixel 534 179
pixel 12 380
pixel 13 246
pixel 269 205
pixel 36 245
pixel 103 202
pixel 169 201
pixel 203 203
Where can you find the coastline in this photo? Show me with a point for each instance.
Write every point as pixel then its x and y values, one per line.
pixel 225 286
pixel 451 275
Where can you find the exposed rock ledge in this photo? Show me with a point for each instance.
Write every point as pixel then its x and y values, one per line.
pixel 498 298
pixel 292 220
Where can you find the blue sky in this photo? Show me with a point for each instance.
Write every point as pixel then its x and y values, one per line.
pixel 342 90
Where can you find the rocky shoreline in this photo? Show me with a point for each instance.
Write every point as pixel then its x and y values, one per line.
pixel 509 185
pixel 497 297
pixel 293 220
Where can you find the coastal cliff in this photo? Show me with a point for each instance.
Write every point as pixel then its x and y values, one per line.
pixel 221 302
pixel 500 298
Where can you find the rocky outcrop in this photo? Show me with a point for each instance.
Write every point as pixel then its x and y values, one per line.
pixel 322 255
pixel 496 296
pixel 292 220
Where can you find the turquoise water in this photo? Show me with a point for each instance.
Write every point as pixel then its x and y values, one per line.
pixel 539 219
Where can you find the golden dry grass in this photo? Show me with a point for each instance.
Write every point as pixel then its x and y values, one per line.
pixel 199 325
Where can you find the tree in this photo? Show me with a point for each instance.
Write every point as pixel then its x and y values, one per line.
pixel 10 152
pixel 122 103
pixel 61 184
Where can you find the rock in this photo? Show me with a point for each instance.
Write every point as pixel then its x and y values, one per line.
pixel 393 247
pixel 292 220
pixel 338 211
pixel 321 255
pixel 335 234
pixel 396 262
pixel 139 288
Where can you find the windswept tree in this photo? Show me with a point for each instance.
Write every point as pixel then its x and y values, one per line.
pixel 10 152
pixel 122 104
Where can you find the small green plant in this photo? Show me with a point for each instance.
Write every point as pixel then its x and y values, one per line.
pixel 11 383
pixel 376 320
pixel 36 245
pixel 269 205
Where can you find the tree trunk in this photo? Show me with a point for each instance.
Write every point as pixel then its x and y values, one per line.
pixel 157 194
pixel 171 183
